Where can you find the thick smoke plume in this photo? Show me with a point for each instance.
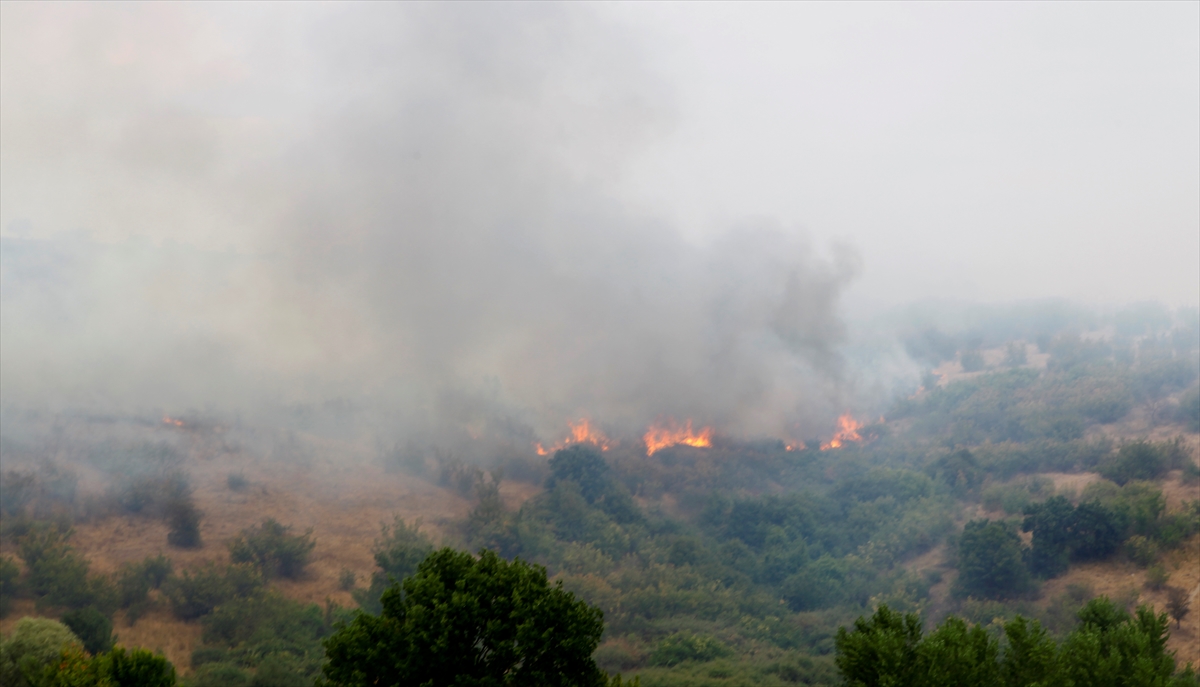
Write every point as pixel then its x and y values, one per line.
pixel 403 209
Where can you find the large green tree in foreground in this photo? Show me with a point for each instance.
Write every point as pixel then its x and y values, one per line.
pixel 467 621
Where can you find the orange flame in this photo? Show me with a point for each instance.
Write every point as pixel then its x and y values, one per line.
pixel 582 433
pixel 168 420
pixel 847 431
pixel 670 434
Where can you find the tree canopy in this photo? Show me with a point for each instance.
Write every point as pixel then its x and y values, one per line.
pixel 467 621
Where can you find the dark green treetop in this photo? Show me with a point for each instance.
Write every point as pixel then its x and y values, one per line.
pixel 467 621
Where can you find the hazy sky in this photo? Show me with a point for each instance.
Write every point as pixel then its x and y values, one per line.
pixel 559 209
pixel 969 150
pixel 973 150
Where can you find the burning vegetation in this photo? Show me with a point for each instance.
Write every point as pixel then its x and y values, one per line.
pixel 669 433
pixel 847 431
pixel 582 433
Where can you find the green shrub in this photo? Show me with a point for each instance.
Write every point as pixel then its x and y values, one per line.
pixel 196 593
pixel 34 644
pixel 347 579
pixel 398 552
pixel 183 519
pixel 1141 550
pixel 1136 460
pixel 270 547
pixel 220 675
pixel 686 646
pixel 92 627
pixel 280 670
pixel 58 575
pixel 991 564
pixel 1157 576
pixel 138 668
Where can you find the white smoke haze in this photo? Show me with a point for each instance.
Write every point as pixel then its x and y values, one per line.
pixel 406 208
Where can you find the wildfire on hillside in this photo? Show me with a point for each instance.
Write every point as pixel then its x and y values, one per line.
pixel 847 431
pixel 582 433
pixel 168 420
pixel 670 434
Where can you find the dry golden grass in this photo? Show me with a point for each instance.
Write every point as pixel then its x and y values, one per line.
pixel 338 493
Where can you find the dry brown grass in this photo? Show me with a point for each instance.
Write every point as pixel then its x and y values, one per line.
pixel 339 493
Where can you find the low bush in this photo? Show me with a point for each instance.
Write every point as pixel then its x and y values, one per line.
pixel 273 549
pixel 220 675
pixel 183 518
pixel 58 575
pixel 399 550
pixel 686 646
pixel 1157 577
pixel 92 627
pixel 197 593
pixel 138 668
pixel 1136 460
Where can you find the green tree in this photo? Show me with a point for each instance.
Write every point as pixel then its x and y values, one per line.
pixel 1050 522
pixel 990 564
pixel 881 651
pixel 35 643
pixel 92 627
pixel 1112 649
pixel 138 668
pixel 469 621
pixel 1029 656
pixel 398 552
pixel 955 654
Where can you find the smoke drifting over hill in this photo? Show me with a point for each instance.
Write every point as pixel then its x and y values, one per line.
pixel 415 202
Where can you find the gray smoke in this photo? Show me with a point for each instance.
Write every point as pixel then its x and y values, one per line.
pixel 416 201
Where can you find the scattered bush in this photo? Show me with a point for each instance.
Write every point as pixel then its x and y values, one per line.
pixel 92 627
pixel 398 552
pixel 183 518
pixel 220 675
pixel 1157 577
pixel 1141 550
pixel 270 547
pixel 347 579
pixel 58 575
pixel 138 668
pixel 1178 603
pixel 237 481
pixel 196 593
pixel 1136 460
pixel 686 646
pixel 990 562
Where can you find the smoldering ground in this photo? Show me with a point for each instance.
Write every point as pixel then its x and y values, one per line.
pixel 419 221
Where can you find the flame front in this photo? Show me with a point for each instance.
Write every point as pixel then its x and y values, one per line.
pixel 168 420
pixel 670 434
pixel 847 431
pixel 582 433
